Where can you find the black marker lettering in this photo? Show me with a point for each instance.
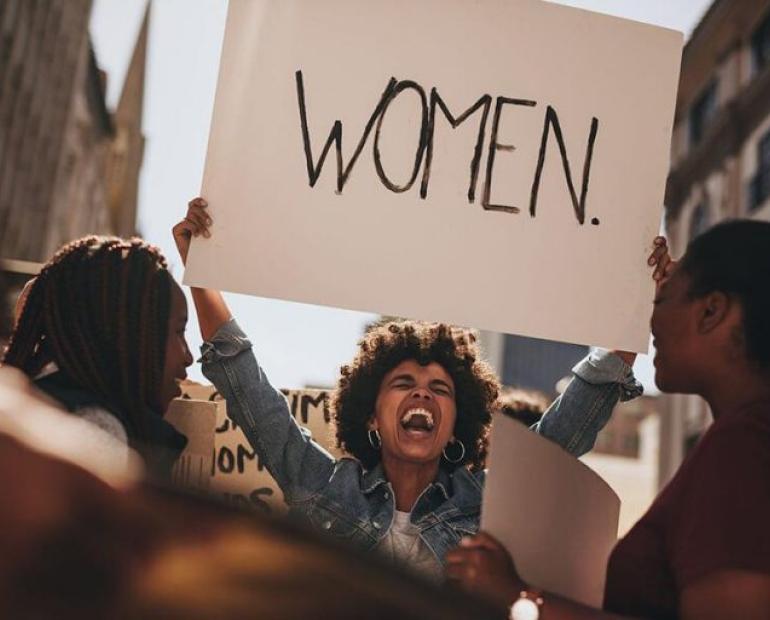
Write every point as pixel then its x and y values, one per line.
pixel 401 87
pixel 243 454
pixel 579 205
pixel 225 460
pixel 335 136
pixel 309 401
pixel 484 102
pixel 494 146
pixel 256 499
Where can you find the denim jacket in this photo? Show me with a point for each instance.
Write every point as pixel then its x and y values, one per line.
pixel 341 498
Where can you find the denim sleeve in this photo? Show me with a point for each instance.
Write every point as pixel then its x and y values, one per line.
pixel 576 416
pixel 298 464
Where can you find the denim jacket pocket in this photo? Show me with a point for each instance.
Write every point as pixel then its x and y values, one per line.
pixel 465 526
pixel 455 528
pixel 332 522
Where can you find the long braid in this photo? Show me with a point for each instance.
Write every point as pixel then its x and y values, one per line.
pixel 99 309
pixel 25 346
pixel 78 313
pixel 162 306
pixel 147 334
pixel 135 373
pixel 105 280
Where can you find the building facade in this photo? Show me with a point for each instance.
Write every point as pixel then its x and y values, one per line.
pixel 720 158
pixel 68 166
pixel 538 364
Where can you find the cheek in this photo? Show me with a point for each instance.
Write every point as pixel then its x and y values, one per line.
pixel 384 407
pixel 449 417
pixel 176 352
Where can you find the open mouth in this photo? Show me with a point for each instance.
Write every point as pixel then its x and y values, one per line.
pixel 418 420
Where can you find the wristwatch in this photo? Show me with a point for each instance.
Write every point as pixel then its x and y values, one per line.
pixel 527 606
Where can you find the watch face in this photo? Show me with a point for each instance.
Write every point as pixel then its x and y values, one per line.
pixel 525 609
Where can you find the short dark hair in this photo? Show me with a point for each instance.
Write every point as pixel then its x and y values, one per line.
pixel 99 309
pixel 383 348
pixel 734 257
pixel 526 406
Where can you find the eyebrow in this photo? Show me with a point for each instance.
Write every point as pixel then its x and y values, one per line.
pixel 410 378
pixel 401 377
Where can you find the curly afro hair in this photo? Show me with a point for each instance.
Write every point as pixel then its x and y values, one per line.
pixel 383 348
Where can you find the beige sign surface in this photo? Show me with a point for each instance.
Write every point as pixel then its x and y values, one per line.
pixel 496 163
pixel 196 420
pixel 235 472
pixel 557 518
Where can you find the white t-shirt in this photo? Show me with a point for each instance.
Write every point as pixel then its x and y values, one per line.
pixel 402 544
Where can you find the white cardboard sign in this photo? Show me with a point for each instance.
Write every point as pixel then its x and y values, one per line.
pixel 496 163
pixel 557 518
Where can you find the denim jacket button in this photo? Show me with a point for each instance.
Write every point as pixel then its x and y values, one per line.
pixel 326 525
pixel 376 525
pixel 387 495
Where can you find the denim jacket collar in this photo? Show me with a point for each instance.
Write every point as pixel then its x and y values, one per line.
pixel 373 478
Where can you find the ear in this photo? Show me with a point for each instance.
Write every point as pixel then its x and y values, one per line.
pixel 373 425
pixel 714 310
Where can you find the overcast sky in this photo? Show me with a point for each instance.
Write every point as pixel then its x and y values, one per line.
pixel 297 344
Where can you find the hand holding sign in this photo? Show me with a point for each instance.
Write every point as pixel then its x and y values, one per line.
pixel 482 565
pixel 195 223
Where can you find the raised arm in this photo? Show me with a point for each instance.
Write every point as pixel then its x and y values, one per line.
pixel 299 465
pixel 576 416
pixel 600 381
pixel 210 306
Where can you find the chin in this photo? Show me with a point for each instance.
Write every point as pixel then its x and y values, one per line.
pixel 670 385
pixel 661 383
pixel 419 457
pixel 165 403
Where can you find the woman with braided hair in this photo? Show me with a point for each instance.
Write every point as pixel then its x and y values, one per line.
pixel 413 411
pixel 102 332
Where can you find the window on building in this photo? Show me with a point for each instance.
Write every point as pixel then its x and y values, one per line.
pixel 700 220
pixel 760 45
pixel 759 187
pixel 702 113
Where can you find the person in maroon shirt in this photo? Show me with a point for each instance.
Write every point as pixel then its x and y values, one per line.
pixel 703 548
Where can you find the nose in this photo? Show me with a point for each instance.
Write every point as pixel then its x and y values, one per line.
pixel 188 356
pixel 422 393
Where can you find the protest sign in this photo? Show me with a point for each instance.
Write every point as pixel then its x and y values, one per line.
pixel 196 420
pixel 495 164
pixel 236 473
pixel 556 517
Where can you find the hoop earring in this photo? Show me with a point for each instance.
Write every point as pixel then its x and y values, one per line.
pixel 462 452
pixel 375 441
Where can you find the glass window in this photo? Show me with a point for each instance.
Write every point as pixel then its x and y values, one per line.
pixel 702 113
pixel 759 186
